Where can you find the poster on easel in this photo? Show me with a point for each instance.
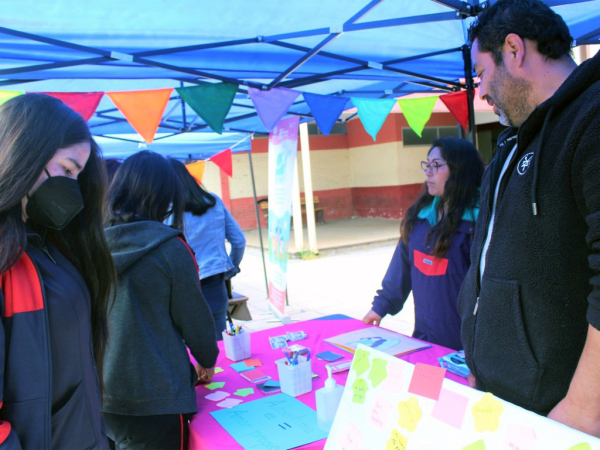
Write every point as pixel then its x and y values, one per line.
pixel 393 405
pixel 283 147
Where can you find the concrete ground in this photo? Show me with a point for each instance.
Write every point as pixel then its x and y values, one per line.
pixel 354 256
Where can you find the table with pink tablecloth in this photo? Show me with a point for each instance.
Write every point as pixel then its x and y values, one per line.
pixel 205 431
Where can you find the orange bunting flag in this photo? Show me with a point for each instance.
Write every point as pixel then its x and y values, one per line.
pixel 196 170
pixel 84 103
pixel 223 160
pixel 142 109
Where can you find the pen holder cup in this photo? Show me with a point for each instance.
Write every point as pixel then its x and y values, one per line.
pixel 237 347
pixel 296 379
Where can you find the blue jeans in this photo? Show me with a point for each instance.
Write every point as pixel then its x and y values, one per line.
pixel 215 293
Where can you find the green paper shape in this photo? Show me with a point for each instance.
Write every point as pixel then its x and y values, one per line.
pixel 213 386
pixel 378 372
pixel 218 370
pixel 417 111
pixel 582 446
pixel 479 445
pixel 244 392
pixel 373 112
pixel 7 95
pixel 211 101
pixel 360 363
pixel 360 389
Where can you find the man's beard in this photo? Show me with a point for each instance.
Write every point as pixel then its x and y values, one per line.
pixel 514 105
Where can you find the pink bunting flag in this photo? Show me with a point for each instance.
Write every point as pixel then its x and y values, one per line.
pixel 223 160
pixel 457 104
pixel 84 103
pixel 272 105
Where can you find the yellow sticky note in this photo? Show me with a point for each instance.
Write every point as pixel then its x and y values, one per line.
pixel 361 362
pixel 360 389
pixel 396 441
pixel 487 412
pixel 378 372
pixel 582 446
pixel 410 414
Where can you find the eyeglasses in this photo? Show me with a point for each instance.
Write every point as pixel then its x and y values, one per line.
pixel 434 166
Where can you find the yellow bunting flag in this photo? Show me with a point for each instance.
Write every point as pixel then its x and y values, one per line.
pixel 197 170
pixel 417 111
pixel 7 95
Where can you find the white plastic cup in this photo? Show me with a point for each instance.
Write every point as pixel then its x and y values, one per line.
pixel 237 347
pixel 296 379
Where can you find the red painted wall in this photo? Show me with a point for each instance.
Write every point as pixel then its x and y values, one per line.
pixel 390 202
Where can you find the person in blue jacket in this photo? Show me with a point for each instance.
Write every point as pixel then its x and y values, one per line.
pixel 432 257
pixel 56 275
pixel 207 225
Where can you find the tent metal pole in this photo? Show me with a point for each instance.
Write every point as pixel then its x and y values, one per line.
pixel 468 65
pixel 262 247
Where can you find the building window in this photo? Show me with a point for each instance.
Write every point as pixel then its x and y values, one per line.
pixel 338 128
pixel 429 134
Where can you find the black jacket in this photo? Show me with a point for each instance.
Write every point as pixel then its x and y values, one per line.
pixel 541 285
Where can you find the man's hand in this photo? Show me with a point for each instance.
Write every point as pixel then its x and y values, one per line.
pixel 372 318
pixel 472 381
pixel 205 375
pixel 574 417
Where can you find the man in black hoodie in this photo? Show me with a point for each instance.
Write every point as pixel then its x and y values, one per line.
pixel 530 303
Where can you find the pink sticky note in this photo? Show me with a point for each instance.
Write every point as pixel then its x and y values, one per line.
pixel 254 362
pixel 520 436
pixel 229 403
pixel 350 438
pixel 427 381
pixel 451 408
pixel 217 396
pixel 394 383
pixel 379 415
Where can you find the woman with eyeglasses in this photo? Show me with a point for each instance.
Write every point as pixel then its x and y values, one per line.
pixel 433 255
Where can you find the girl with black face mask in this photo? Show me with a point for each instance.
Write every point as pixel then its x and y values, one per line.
pixel 56 275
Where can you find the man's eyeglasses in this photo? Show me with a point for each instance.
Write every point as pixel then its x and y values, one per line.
pixel 434 166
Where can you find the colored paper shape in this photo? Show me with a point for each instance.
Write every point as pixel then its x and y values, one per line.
pixel 265 423
pixel 217 396
pixel 427 381
pixel 379 416
pixel 451 408
pixel 373 112
pixel 244 392
pixel 350 438
pixel 84 103
pixel 272 105
pixel 254 362
pixel 196 170
pixel 378 372
pixel 582 446
pixel 241 367
pixel 487 412
pixel 409 414
pixel 326 109
pixel 272 383
pixel 360 389
pixel 211 101
pixel 223 160
pixel 255 375
pixel 142 109
pixel 218 370
pixel 213 386
pixel 520 437
pixel 361 362
pixel 229 403
pixel 7 95
pixel 458 105
pixel 479 445
pixel 397 441
pixel 417 111
pixel 394 383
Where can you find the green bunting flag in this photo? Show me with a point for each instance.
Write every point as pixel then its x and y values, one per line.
pixel 417 111
pixel 7 95
pixel 211 101
pixel 373 112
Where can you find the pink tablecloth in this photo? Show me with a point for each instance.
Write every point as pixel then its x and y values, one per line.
pixel 206 433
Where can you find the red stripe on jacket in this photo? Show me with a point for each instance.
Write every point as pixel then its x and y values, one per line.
pixel 430 265
pixel 22 288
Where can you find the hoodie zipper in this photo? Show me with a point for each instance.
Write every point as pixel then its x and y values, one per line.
pixel 45 249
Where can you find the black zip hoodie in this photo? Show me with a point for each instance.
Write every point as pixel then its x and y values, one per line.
pixel 525 324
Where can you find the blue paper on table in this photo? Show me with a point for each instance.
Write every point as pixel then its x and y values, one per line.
pixel 241 367
pixel 278 422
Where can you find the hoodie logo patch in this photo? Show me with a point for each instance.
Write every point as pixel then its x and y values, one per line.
pixel 525 163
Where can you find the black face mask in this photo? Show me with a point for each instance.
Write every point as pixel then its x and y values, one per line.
pixel 55 203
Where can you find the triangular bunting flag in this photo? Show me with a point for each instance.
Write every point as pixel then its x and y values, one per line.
pixel 223 160
pixel 211 101
pixel 7 95
pixel 197 170
pixel 457 104
pixel 272 105
pixel 325 109
pixel 373 112
pixel 142 109
pixel 85 103
pixel 417 111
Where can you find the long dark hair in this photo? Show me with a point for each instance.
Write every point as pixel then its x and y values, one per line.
pixel 32 128
pixel 197 200
pixel 460 192
pixel 146 187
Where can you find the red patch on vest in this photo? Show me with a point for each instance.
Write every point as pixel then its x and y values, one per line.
pixel 4 430
pixel 430 265
pixel 22 288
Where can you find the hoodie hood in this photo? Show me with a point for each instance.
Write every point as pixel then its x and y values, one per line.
pixel 131 241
